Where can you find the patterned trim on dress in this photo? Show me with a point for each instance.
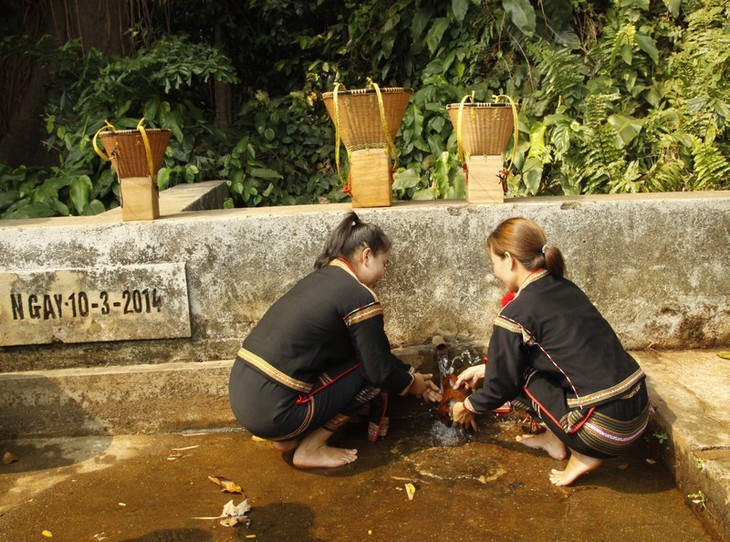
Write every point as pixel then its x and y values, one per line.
pixel 534 276
pixel 371 310
pixel 528 339
pixel 609 393
pixel 302 426
pixel 376 431
pixel 335 423
pixel 513 327
pixel 343 265
pixel 274 373
pixel 609 436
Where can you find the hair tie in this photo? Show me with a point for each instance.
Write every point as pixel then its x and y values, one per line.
pixel 543 248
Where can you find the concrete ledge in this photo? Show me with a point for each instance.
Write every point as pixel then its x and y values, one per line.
pixel 691 393
pixel 655 265
pixel 143 398
pixel 115 400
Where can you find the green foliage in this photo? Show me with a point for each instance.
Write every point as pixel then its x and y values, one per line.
pixel 625 96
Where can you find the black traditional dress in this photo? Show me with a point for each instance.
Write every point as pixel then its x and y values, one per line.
pixel 318 355
pixel 552 353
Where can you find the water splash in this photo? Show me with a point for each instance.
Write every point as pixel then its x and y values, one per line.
pixel 444 434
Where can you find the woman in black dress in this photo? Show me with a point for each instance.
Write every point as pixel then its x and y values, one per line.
pixel 320 354
pixel 554 355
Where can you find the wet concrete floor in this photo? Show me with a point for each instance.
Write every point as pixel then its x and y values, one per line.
pixel 152 487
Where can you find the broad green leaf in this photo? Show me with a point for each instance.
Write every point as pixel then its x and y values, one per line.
pixel 459 7
pixel 537 139
pixel 8 198
pixel 94 207
pixel 532 174
pixel 641 4
pixel 30 210
pixel 673 7
pixel 79 190
pixel 522 15
pixel 627 53
pixel 407 178
pixel 648 45
pixel 163 178
pixel 419 23
pixel 265 173
pixel 425 194
pixel 433 40
pixel 627 128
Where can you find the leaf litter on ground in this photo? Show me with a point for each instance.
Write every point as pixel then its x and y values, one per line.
pixel 226 485
pixel 233 514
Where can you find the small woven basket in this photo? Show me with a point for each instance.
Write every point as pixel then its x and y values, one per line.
pixel 358 115
pixel 485 127
pixel 126 149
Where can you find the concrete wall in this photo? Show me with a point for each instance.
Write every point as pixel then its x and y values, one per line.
pixel 657 266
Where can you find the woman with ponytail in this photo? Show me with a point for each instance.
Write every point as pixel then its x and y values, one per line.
pixel 552 354
pixel 320 354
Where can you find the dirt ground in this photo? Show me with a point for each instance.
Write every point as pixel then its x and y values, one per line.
pixel 488 487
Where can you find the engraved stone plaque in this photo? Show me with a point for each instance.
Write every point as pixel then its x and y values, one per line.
pixel 94 304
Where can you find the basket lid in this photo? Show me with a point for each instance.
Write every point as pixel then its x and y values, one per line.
pixel 130 132
pixel 480 105
pixel 384 90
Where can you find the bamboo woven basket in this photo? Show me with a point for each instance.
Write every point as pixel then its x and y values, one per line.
pixel 486 127
pixel 359 119
pixel 126 149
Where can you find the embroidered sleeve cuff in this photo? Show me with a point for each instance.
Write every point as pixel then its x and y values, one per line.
pixel 408 387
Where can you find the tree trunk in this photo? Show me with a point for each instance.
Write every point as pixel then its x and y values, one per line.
pixel 222 91
pixel 102 24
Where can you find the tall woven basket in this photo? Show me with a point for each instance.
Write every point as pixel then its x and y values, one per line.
pixel 483 131
pixel 485 127
pixel 128 155
pixel 367 121
pixel 136 156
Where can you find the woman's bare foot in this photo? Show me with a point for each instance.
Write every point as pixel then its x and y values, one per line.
pixel 578 465
pixel 545 441
pixel 314 452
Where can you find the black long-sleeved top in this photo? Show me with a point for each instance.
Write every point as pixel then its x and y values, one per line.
pixel 552 326
pixel 326 318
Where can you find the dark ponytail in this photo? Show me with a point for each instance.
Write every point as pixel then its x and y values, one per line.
pixel 526 241
pixel 350 235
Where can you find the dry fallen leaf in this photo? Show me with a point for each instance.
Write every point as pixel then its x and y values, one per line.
pixel 410 491
pixel 47 534
pixel 236 513
pixel 623 466
pixel 650 461
pixel 724 355
pixel 9 458
pixel 226 485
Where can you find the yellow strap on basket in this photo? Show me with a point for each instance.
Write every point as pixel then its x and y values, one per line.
pixel 147 150
pixel 101 153
pixel 337 132
pixel 384 122
pixel 516 133
pixel 459 125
